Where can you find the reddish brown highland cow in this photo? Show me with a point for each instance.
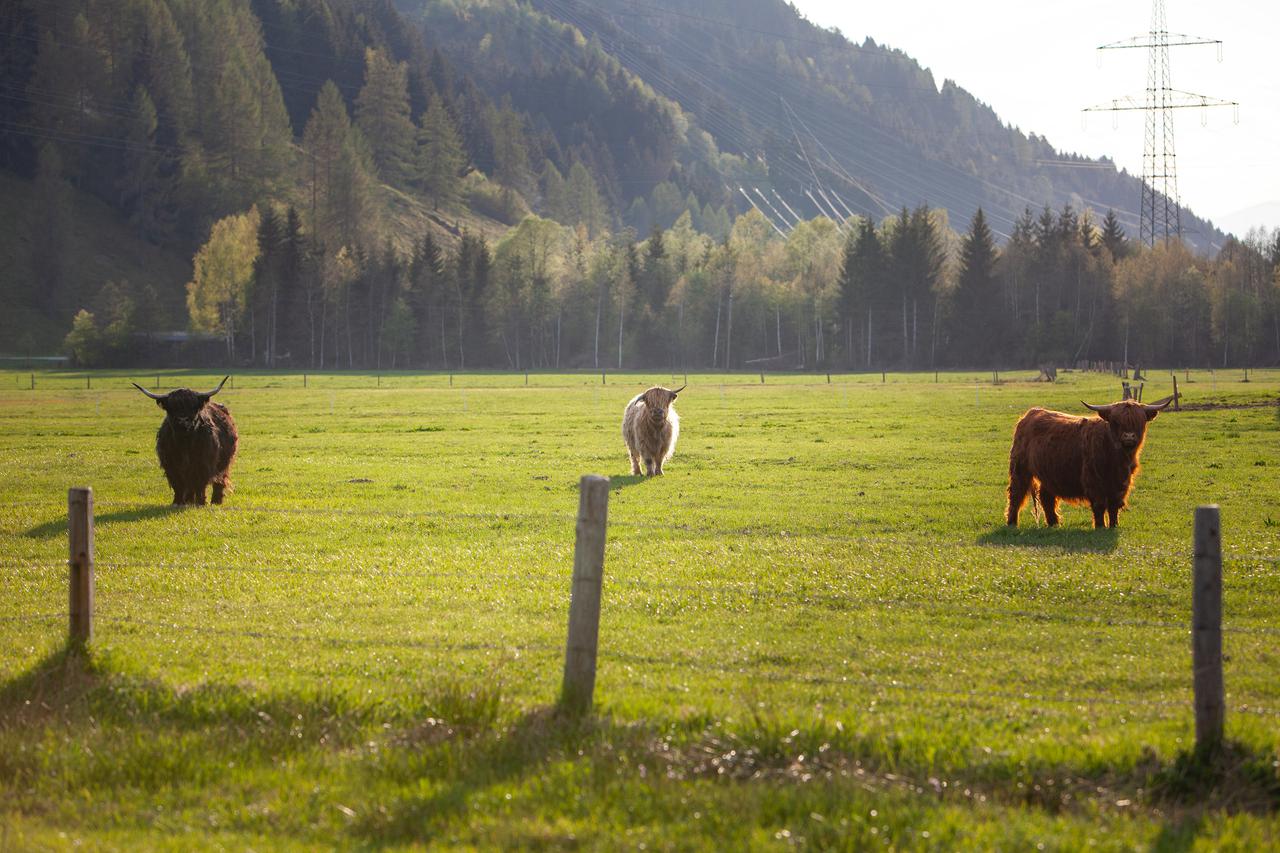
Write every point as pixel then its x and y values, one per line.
pixel 196 443
pixel 650 427
pixel 1063 457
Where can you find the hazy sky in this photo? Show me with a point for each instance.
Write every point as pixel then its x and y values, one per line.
pixel 1037 65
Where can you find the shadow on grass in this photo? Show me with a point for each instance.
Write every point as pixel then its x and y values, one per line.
pixel 511 755
pixel 435 758
pixel 58 526
pixel 1099 541
pixel 59 678
pixel 1233 777
pixel 618 482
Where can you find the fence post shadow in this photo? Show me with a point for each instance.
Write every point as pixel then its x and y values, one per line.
pixel 66 672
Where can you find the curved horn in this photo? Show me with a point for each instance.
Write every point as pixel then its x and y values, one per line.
pixel 148 393
pixel 1102 410
pixel 681 388
pixel 1159 406
pixel 208 394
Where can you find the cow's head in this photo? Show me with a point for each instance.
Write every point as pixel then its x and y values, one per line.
pixel 182 405
pixel 1128 420
pixel 658 400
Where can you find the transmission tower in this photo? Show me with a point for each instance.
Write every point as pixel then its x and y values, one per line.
pixel 1161 211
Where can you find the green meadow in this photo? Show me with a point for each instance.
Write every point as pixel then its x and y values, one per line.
pixel 816 629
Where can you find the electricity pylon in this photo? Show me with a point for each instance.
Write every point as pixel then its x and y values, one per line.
pixel 1161 210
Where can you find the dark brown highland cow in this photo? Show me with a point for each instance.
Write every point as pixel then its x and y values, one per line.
pixel 1063 457
pixel 196 443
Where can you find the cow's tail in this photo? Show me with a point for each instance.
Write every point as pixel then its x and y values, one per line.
pixel 1035 502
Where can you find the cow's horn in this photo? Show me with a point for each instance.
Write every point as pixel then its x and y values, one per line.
pixel 148 393
pixel 208 394
pixel 681 388
pixel 1102 410
pixel 1159 405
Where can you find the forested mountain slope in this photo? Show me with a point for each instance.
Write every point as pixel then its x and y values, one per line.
pixel 169 115
pixel 452 183
pixel 833 127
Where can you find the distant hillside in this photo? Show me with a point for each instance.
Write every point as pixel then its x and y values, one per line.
pixel 831 126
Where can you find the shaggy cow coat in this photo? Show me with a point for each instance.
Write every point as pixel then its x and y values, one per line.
pixel 650 427
pixel 196 444
pixel 1063 457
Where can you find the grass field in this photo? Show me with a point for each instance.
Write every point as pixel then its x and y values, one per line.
pixel 816 629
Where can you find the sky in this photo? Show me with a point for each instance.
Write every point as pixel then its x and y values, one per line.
pixel 1036 64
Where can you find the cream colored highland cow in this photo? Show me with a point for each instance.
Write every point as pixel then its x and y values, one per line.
pixel 650 427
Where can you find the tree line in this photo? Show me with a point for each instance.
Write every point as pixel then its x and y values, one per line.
pixel 907 292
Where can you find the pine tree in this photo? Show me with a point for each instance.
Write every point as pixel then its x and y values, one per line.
pixel 243 123
pixel 350 220
pixel 426 289
pixel 325 134
pixel 337 167
pixel 292 334
pixel 585 204
pixel 861 284
pixel 510 157
pixel 440 155
pixel 555 197
pixel 382 114
pixel 1113 236
pixel 975 316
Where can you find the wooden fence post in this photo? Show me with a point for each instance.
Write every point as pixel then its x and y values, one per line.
pixel 576 695
pixel 1177 404
pixel 1206 628
pixel 80 562
pixel 762 377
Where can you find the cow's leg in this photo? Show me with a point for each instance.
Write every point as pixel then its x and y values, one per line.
pixel 1049 501
pixel 635 462
pixel 221 483
pixel 1019 485
pixel 197 496
pixel 648 466
pixel 1099 511
pixel 1113 512
pixel 179 490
